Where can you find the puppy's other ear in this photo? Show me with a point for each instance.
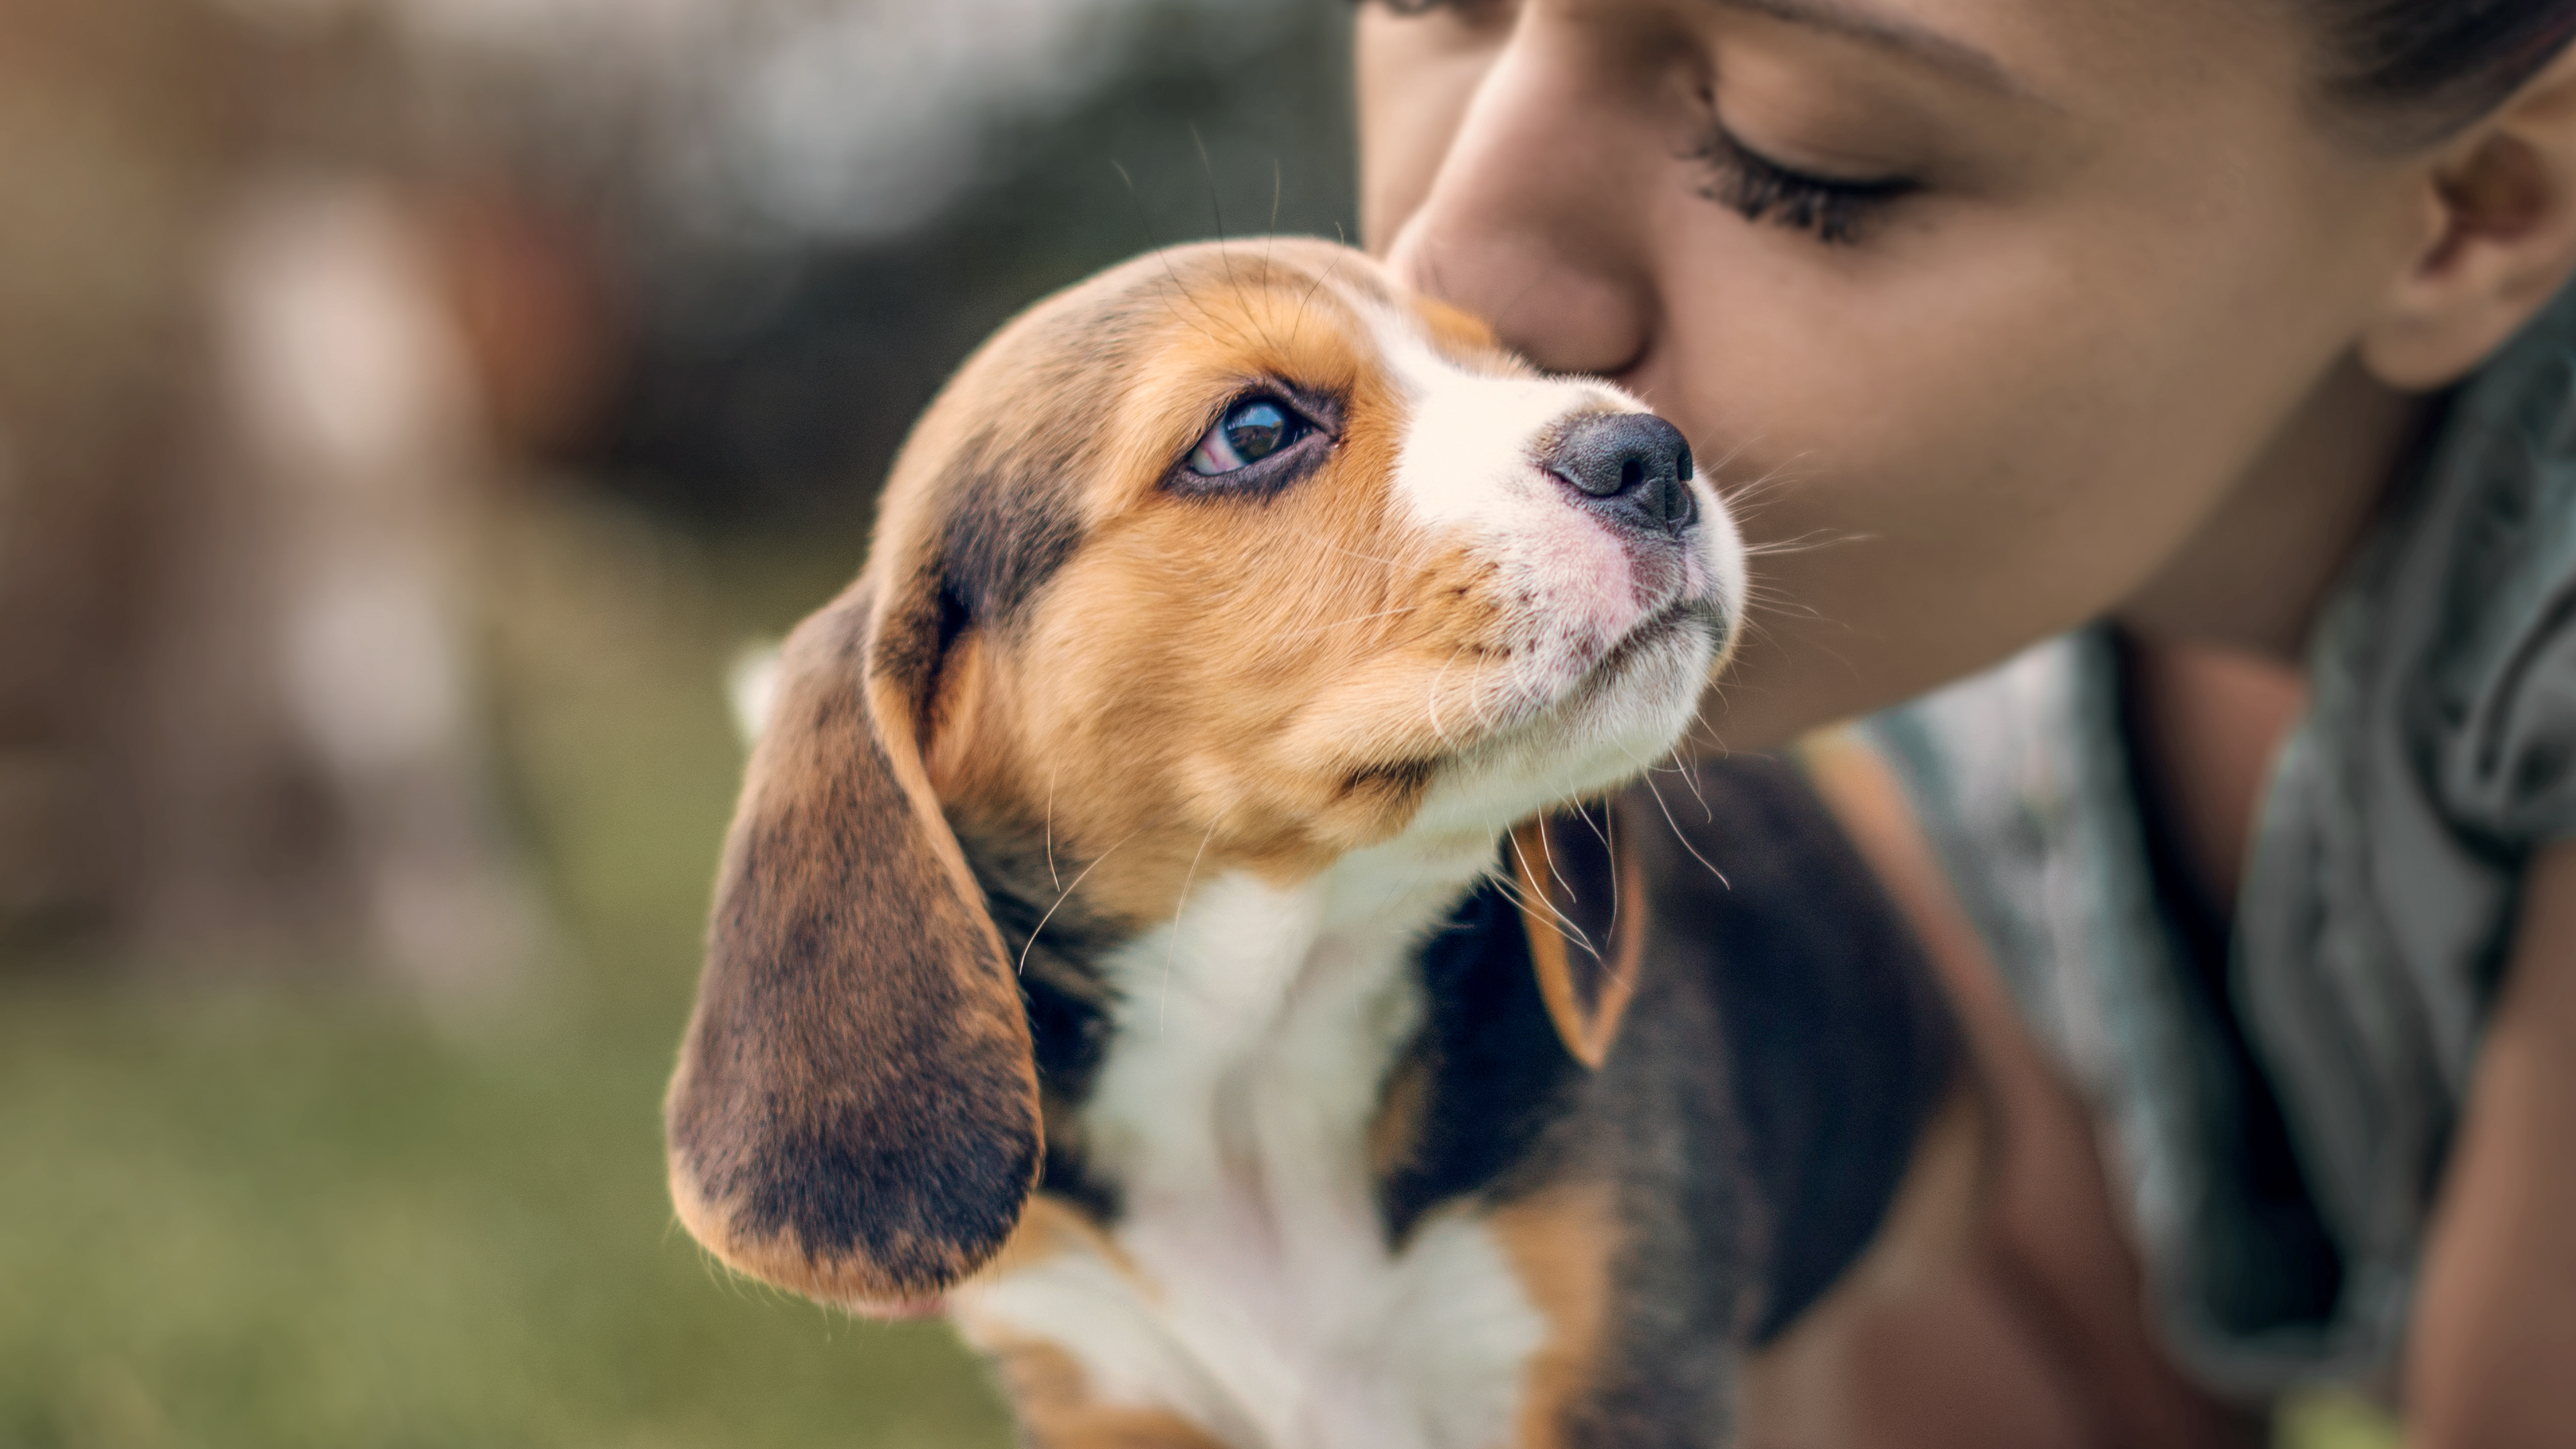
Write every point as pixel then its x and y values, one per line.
pixel 1583 904
pixel 855 1114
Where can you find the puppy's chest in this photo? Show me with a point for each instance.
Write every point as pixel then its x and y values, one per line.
pixel 1248 1285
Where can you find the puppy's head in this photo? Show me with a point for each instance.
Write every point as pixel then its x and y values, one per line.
pixel 1232 558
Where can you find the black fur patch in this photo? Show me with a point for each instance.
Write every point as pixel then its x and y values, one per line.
pixel 1068 1007
pixel 1755 1114
pixel 1579 874
pixel 1838 1041
pixel 1498 1073
pixel 1014 523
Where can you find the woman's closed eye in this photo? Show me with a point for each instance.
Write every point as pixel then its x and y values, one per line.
pixel 1834 209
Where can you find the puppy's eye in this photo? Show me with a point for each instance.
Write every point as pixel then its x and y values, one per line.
pixel 1250 431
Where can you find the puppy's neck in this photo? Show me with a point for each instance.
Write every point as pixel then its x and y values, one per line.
pixel 1300 991
pixel 1233 919
pixel 1241 952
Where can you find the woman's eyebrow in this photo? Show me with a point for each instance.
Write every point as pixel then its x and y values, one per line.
pixel 1956 57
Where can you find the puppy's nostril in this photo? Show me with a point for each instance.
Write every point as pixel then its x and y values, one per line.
pixel 1672 504
pixel 1634 466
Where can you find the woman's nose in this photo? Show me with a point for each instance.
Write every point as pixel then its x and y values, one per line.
pixel 1535 221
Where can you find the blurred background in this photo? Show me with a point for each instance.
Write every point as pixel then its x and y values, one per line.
pixel 409 409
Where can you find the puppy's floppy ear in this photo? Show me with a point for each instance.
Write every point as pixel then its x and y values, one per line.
pixel 1583 903
pixel 855 1114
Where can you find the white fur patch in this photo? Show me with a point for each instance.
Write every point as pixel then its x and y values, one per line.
pixel 1470 476
pixel 1254 1040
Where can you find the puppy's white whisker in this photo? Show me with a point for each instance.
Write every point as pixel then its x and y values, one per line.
pixel 1727 460
pixel 1547 852
pixel 1367 558
pixel 1598 833
pixel 1609 827
pixel 1547 847
pixel 1807 542
pixel 1298 324
pixel 1680 835
pixel 1535 904
pixel 1163 997
pixel 1690 777
pixel 1179 289
pixel 1345 623
pixel 1225 243
pixel 1743 497
pixel 1438 733
pixel 1054 773
pixel 1039 929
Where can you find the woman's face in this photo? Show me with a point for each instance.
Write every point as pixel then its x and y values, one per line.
pixel 1993 303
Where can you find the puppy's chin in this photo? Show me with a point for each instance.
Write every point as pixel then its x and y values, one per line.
pixel 1613 725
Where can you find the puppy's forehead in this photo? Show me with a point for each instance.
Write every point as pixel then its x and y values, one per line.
pixel 1000 482
pixel 1233 306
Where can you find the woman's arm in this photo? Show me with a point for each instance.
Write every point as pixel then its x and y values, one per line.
pixel 2492 1355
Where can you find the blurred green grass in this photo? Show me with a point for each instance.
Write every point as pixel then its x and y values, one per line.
pixel 2334 1419
pixel 286 1215
pixel 276 1216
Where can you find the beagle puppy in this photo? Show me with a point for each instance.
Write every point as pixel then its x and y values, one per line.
pixel 1164 930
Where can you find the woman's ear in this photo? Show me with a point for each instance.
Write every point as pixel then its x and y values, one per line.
pixel 2499 239
pixel 855 1114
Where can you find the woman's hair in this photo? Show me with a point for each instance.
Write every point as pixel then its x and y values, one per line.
pixel 2420 69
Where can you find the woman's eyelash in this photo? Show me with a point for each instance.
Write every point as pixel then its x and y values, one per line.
pixel 1760 188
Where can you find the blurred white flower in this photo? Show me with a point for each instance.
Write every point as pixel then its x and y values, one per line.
pixel 751 688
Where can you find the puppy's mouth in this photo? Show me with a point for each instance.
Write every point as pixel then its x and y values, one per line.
pixel 1653 666
pixel 1651 631
pixel 1651 634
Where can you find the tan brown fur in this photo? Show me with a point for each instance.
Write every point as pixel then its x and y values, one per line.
pixel 1395 1134
pixel 1586 1012
pixel 1053 1400
pixel 1561 1243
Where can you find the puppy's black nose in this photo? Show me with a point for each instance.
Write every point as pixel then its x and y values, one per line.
pixel 1634 467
